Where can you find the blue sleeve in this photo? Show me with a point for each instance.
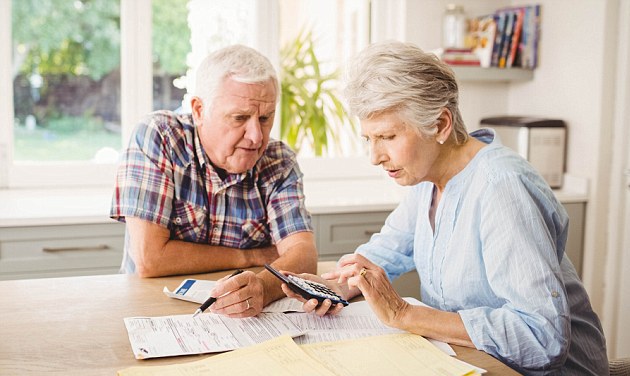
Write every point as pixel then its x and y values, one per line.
pixel 392 247
pixel 523 233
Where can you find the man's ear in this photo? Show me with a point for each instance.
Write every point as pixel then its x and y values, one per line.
pixel 445 125
pixel 196 104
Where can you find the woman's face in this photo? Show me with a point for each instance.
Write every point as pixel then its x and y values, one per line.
pixel 407 155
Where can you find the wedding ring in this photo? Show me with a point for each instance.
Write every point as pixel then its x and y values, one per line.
pixel 247 301
pixel 362 272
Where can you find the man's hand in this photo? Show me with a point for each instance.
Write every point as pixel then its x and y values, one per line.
pixel 238 296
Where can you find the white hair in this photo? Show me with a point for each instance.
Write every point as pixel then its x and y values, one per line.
pixel 396 76
pixel 238 62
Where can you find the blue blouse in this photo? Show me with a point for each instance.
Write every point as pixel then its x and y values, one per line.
pixel 496 257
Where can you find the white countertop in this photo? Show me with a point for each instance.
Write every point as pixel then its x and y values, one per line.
pixel 42 207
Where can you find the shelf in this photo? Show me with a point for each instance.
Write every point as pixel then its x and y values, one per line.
pixel 492 74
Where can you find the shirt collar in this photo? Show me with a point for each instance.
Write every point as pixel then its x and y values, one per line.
pixel 487 136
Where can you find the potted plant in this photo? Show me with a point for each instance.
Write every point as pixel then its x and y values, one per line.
pixel 311 111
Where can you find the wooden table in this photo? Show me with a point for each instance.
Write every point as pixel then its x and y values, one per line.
pixel 75 325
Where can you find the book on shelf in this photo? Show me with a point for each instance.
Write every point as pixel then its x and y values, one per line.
pixel 507 37
pixel 460 56
pixel 519 13
pixel 500 20
pixel 480 38
pixel 530 38
pixel 515 37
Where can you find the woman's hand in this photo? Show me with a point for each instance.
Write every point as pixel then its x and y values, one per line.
pixel 360 273
pixel 312 305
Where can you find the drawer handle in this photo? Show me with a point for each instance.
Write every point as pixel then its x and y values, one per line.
pixel 101 247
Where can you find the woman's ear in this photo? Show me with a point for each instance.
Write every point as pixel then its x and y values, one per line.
pixel 445 126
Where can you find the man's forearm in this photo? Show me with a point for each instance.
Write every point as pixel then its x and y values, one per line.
pixel 179 257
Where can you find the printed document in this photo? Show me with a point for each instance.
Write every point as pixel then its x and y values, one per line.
pixel 354 321
pixel 279 356
pixel 153 337
pixel 397 354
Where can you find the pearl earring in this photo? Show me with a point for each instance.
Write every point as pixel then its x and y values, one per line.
pixel 441 142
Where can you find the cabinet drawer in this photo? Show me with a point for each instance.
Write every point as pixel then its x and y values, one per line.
pixel 343 233
pixel 44 251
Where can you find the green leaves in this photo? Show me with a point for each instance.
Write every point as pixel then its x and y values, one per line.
pixel 171 35
pixel 310 109
pixel 82 37
pixel 68 37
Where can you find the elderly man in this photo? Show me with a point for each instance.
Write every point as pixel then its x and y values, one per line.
pixel 210 190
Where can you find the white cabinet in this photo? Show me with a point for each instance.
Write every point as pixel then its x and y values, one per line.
pixel 59 251
pixel 338 234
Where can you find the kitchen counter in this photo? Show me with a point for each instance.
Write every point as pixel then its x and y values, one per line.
pixel 43 207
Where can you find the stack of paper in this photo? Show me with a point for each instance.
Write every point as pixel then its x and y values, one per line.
pixel 397 354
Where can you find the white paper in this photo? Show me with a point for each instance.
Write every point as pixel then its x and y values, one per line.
pixel 480 371
pixel 336 327
pixel 284 305
pixel 198 291
pixel 354 321
pixel 152 337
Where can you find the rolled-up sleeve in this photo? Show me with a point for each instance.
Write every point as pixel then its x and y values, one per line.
pixel 286 209
pixel 144 181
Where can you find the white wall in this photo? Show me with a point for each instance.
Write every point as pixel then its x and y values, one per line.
pixel 575 81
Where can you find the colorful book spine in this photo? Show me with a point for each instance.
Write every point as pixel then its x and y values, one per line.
pixel 517 37
pixel 519 14
pixel 496 48
pixel 507 38
pixel 530 38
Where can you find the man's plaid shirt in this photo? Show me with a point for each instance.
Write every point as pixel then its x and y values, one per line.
pixel 166 178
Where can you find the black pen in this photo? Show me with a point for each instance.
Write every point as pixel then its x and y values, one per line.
pixel 212 299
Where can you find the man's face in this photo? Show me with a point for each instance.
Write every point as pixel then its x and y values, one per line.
pixel 234 132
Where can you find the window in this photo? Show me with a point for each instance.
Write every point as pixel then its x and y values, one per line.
pixel 64 74
pixel 319 36
pixel 170 43
pixel 66 80
pixel 70 114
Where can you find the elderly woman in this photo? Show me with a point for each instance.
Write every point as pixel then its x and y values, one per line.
pixel 480 225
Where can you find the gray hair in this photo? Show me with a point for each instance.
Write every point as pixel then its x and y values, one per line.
pixel 396 76
pixel 238 62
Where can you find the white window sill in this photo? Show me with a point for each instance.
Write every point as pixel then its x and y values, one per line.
pixel 41 207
